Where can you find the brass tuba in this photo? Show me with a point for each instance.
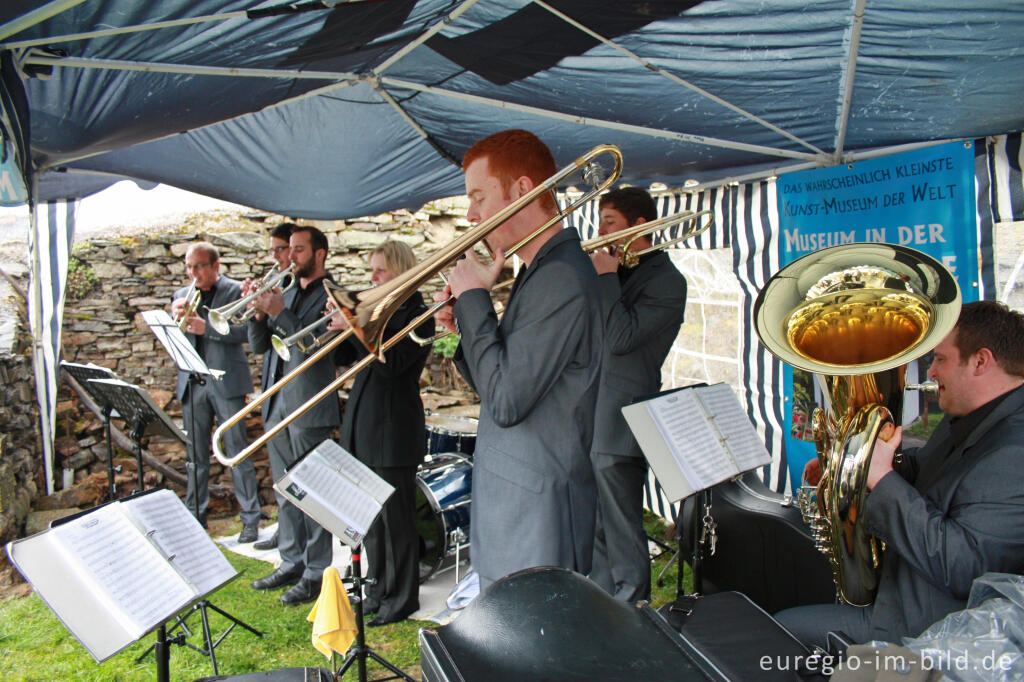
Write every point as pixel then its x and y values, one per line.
pixel 854 316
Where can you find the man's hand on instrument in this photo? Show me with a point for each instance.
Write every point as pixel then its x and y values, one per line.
pixel 605 261
pixel 270 302
pixel 195 325
pixel 470 273
pixel 177 307
pixel 249 287
pixel 446 315
pixel 889 438
pixel 812 471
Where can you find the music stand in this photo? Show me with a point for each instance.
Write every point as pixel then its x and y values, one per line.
pixel 143 416
pixel 345 497
pixel 695 438
pixel 165 562
pixel 187 359
pixel 83 374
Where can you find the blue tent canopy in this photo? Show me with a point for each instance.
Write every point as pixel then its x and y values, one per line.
pixel 338 109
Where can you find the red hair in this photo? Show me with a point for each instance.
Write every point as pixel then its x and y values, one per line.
pixel 512 154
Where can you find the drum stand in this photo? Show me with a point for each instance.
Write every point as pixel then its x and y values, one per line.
pixel 358 652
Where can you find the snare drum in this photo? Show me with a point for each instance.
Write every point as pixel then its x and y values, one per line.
pixel 448 433
pixel 443 487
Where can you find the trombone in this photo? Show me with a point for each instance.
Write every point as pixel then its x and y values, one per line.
pixel 368 311
pixel 192 299
pixel 237 312
pixel 627 256
pixel 283 346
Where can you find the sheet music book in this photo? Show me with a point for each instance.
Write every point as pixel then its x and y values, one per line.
pixel 117 572
pixel 695 437
pixel 181 349
pixel 133 402
pixel 336 490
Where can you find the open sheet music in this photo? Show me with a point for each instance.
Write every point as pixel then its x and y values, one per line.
pixel 695 438
pixel 336 490
pixel 119 571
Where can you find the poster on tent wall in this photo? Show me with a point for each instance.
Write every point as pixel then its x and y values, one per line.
pixel 923 199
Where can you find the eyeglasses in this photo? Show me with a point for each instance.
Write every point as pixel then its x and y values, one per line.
pixel 278 249
pixel 197 266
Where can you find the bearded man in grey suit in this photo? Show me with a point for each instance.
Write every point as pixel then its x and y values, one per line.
pixel 643 308
pixel 953 509
pixel 202 402
pixel 304 545
pixel 536 370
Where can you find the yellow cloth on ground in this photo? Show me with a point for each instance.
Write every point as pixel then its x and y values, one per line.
pixel 334 623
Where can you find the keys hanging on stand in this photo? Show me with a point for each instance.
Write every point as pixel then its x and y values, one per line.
pixel 708 533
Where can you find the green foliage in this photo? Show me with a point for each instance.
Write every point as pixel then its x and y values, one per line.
pixel 445 346
pixel 81 279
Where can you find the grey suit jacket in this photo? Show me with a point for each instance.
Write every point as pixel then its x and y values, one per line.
pixel 967 519
pixel 642 319
pixel 537 375
pixel 222 351
pixel 309 383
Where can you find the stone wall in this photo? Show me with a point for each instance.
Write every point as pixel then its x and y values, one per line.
pixel 21 467
pixel 141 272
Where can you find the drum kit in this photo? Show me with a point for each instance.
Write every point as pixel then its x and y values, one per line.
pixel 444 484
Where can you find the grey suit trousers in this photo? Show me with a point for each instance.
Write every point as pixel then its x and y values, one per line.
pixel 198 411
pixel 302 541
pixel 622 562
pixel 811 624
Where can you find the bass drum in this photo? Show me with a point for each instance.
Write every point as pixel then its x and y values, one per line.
pixel 443 486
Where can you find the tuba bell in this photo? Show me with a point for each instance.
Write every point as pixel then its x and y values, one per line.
pixel 854 316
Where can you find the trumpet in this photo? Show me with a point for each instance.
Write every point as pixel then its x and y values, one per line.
pixel 238 312
pixel 192 298
pixel 368 311
pixel 627 256
pixel 283 346
pixel 630 258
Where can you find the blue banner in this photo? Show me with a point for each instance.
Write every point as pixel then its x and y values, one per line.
pixel 923 199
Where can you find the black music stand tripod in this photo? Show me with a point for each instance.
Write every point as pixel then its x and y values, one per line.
pixel 189 361
pixel 358 652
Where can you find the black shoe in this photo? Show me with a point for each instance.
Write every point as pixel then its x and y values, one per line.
pixel 250 531
pixel 279 578
pixel 306 590
pixel 267 544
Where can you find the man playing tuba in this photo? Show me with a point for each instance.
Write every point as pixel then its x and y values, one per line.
pixel 953 509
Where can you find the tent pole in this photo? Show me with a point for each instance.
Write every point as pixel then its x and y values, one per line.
pixel 188 69
pixel 38 15
pixel 676 79
pixel 424 37
pixel 851 70
pixel 613 125
pixel 121 30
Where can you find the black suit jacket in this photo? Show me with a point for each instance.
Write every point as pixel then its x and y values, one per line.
pixel 384 424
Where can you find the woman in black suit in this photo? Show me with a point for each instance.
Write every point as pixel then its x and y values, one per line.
pixel 384 428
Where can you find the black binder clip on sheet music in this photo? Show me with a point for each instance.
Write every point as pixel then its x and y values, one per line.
pixel 344 496
pixel 119 571
pixel 695 438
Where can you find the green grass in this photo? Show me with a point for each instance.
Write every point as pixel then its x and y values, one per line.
pixel 34 645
